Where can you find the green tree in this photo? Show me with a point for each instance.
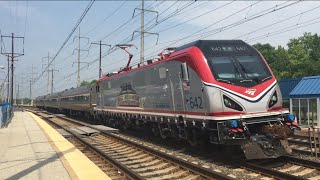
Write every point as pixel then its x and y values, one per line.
pixel 277 58
pixel 87 83
pixel 84 83
pixel 93 82
pixel 302 58
pixel 305 55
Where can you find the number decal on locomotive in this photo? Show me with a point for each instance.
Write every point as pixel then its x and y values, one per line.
pixel 195 102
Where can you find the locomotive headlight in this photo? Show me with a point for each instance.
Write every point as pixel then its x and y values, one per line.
pixel 231 103
pixel 273 100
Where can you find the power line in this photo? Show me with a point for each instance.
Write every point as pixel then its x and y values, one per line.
pixel 283 30
pixel 212 24
pixel 69 36
pixel 110 34
pixel 286 19
pixel 167 17
pixel 105 19
pixel 218 30
pixel 211 31
pixel 255 16
pixel 26 19
pixel 96 59
pixel 210 11
pixel 162 21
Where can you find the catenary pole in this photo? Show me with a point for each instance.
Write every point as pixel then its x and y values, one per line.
pixel 8 85
pixel 100 56
pixel 142 34
pixel 12 60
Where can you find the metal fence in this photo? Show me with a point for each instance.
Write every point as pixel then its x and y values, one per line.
pixel 6 114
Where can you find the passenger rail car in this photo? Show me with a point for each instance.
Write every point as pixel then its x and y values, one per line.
pixel 217 91
pixel 75 100
pixel 52 101
pixel 39 102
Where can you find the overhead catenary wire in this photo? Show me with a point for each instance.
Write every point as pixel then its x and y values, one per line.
pixel 69 56
pixel 250 18
pixel 26 20
pixel 3 44
pixel 286 29
pixel 71 74
pixel 129 38
pixel 186 21
pixel 123 41
pixel 175 13
pixel 106 18
pixel 272 24
pixel 107 53
pixel 221 29
pixel 216 32
pixel 86 48
pixel 69 36
pixel 95 60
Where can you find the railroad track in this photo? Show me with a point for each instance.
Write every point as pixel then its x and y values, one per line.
pixel 301 145
pixel 132 159
pixel 289 168
pixel 96 156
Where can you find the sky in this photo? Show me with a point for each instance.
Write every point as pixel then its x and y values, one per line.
pixel 46 25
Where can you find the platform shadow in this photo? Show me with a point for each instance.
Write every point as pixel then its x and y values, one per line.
pixel 40 164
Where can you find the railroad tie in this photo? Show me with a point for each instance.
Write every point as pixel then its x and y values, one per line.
pixel 291 168
pixel 304 172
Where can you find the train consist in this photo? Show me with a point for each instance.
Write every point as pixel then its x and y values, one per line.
pixel 216 91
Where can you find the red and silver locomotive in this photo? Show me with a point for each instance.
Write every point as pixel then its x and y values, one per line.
pixel 217 91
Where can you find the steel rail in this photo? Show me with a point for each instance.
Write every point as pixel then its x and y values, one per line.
pixel 302 162
pixel 131 174
pixel 268 172
pixel 170 158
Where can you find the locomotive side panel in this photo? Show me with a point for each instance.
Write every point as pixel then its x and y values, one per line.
pixel 156 88
pixel 147 89
pixel 194 92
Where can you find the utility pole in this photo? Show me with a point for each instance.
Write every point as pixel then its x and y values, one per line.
pixel 142 32
pixel 12 58
pixel 79 50
pixel 78 81
pixel 8 85
pixel 19 84
pixel 52 70
pixel 13 55
pixel 32 80
pixel 48 74
pixel 30 87
pixel 100 57
pixel 18 95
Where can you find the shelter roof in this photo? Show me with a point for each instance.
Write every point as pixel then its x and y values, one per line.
pixel 308 87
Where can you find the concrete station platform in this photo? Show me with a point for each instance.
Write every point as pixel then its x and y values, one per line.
pixel 31 149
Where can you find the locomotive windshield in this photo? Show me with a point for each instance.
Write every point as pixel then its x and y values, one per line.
pixel 233 61
pixel 242 70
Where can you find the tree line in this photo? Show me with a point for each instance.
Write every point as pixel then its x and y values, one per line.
pixel 88 83
pixel 301 57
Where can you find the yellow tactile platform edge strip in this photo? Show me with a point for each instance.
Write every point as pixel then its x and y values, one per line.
pixel 82 166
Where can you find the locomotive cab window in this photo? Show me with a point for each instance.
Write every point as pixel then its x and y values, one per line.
pixel 184 72
pixel 242 70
